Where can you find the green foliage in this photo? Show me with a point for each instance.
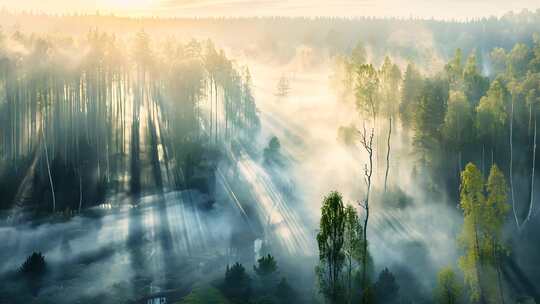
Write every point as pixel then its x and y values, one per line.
pixel 386 288
pixel 237 284
pixel 518 60
pixel 472 200
pixel 390 78
pixel 458 122
pixel 482 226
pixel 358 55
pixel 498 58
pixel 367 90
pixel 474 84
pixel 204 295
pixel 348 135
pixel 497 209
pixel 118 113
pixel 534 64
pixel 330 240
pixel 353 249
pixel 449 289
pixel 34 265
pixel 352 243
pixel 429 118
pixel 284 292
pixel 266 266
pixel 410 95
pixel 396 198
pixel 454 68
pixel 492 111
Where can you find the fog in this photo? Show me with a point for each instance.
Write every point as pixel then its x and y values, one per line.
pixel 440 9
pixel 306 122
pixel 165 241
pixel 131 244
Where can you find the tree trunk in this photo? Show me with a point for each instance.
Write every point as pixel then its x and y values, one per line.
pixel 368 171
pixel 388 154
pixel 483 159
pixel 49 171
pixel 80 190
pixel 499 276
pixel 349 278
pixel 531 203
pixel 512 163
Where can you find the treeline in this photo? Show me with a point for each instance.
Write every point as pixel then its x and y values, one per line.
pixel 454 116
pixel 412 39
pixel 83 117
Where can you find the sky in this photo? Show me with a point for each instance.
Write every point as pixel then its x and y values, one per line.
pixel 439 9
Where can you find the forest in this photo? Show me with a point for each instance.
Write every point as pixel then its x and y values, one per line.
pixel 269 160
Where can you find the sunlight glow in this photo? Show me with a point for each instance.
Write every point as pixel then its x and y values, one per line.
pixel 126 5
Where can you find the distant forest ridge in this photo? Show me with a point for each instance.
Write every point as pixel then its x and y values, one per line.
pixel 411 38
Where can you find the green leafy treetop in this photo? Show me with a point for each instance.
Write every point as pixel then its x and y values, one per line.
pixel 358 55
pixel 367 90
pixel 482 228
pixel 491 111
pixel 410 94
pixel 330 240
pixel 472 200
pixel 497 204
pixel 454 68
pixel 448 287
pixel 458 121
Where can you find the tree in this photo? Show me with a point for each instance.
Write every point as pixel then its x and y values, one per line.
pixel 271 153
pixel 454 68
pixel 367 90
pixel 386 288
pixel 390 82
pixel 496 211
pixel 330 240
pixel 266 266
pixel 491 117
pixel 472 201
pixel 481 236
pixel 534 64
pixel 429 118
pixel 499 60
pixel 283 88
pixel 352 247
pixel 474 84
pixel 458 124
pixel 518 60
pixel 531 84
pixel 237 283
pixel 448 290
pixel 34 265
pixel 358 54
pixel 410 95
pixel 284 291
pixel 367 143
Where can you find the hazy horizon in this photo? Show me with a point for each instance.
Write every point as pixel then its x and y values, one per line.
pixel 438 9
